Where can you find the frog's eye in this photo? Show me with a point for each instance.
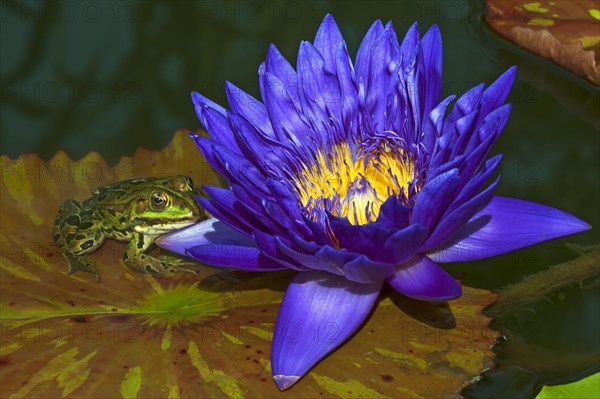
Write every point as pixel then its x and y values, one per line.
pixel 158 201
pixel 182 183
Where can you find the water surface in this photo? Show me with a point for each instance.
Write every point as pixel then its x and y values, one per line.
pixel 110 76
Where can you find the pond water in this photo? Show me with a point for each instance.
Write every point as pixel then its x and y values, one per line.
pixel 110 76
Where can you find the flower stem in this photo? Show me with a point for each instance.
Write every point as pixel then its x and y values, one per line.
pixel 537 286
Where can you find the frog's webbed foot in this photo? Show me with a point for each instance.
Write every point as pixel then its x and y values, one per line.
pixel 80 263
pixel 163 265
pixel 178 265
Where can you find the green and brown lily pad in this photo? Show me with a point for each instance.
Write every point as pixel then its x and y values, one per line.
pixel 138 336
pixel 565 32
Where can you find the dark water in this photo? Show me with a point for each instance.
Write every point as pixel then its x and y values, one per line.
pixel 110 76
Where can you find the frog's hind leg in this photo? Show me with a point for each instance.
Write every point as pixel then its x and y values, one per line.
pixel 66 224
pixel 74 237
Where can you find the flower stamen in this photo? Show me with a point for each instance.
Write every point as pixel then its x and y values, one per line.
pixel 354 183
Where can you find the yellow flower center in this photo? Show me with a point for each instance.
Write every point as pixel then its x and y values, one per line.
pixel 354 186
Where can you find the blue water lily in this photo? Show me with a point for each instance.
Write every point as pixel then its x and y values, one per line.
pixel 355 174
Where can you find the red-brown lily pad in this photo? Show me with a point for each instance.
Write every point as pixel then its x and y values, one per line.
pixel 135 335
pixel 565 32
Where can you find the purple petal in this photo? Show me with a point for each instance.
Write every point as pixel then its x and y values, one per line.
pixel 434 198
pixel 287 122
pixel 250 108
pixel 348 89
pixel 278 66
pixel 475 184
pixel 321 94
pixel 334 257
pixel 289 203
pixel 238 169
pixel 261 150
pixel 486 136
pixel 433 124
pixel 399 114
pixel 409 44
pixel 432 52
pixel 319 312
pixel 464 131
pixel 404 244
pixel 234 257
pixel 393 214
pixel 215 119
pixel 206 232
pixel 267 243
pixel 225 215
pixel 384 59
pixel 452 222
pixel 421 278
pixel 277 216
pixel 415 92
pixel 366 239
pixel 496 93
pixel 353 266
pixel 228 202
pixel 363 55
pixel 327 40
pixel 213 242
pixel 201 102
pixel 313 261
pixel 465 104
pixel 204 145
pixel 365 270
pixel 304 244
pixel 504 225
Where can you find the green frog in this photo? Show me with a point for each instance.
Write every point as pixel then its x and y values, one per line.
pixel 138 211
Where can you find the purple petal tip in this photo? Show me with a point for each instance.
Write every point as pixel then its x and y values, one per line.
pixel 283 382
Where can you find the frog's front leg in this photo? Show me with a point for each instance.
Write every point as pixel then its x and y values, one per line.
pixel 135 257
pixel 75 236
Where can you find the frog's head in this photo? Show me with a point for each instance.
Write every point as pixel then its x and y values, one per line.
pixel 166 205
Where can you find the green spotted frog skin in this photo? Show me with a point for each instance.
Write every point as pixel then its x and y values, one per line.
pixel 138 211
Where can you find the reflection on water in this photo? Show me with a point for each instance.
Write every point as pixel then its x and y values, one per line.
pixel 112 76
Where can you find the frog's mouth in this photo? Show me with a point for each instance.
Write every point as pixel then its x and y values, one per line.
pixel 160 229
